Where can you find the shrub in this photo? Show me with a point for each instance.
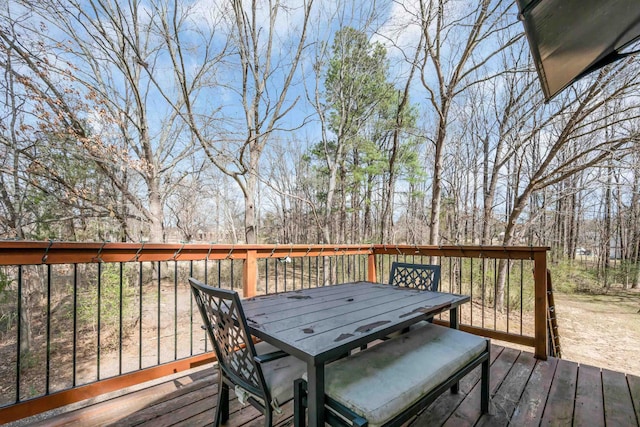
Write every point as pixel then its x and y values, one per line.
pixel 114 287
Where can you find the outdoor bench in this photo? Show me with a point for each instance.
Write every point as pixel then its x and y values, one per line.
pixel 387 384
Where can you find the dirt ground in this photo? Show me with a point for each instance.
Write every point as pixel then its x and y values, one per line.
pixel 601 330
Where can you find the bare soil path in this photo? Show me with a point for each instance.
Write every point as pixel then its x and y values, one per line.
pixel 601 330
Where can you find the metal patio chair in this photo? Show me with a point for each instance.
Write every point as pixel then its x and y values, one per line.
pixel 419 276
pixel 260 374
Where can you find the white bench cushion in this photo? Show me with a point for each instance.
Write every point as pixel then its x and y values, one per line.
pixel 385 380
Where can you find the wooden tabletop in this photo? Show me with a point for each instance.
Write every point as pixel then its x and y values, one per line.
pixel 321 323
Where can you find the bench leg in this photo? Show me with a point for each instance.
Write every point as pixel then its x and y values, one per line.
pixel 455 388
pixel 484 398
pixel 453 323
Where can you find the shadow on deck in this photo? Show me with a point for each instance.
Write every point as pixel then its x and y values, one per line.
pixel 525 392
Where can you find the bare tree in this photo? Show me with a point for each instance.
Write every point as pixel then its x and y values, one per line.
pixel 14 145
pixel 104 53
pixel 458 44
pixel 587 127
pixel 291 196
pixel 266 72
pixel 500 110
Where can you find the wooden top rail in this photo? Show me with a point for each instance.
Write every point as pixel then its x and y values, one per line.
pixel 29 252
pixel 53 252
pixel 462 251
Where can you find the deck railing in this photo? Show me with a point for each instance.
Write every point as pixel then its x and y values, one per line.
pixel 80 319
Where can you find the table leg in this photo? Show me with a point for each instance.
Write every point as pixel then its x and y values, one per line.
pixel 315 394
pixel 453 318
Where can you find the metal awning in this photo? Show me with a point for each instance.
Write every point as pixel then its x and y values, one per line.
pixel 571 38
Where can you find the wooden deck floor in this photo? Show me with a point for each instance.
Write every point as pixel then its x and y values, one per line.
pixel 525 392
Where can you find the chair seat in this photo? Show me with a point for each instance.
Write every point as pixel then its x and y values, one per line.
pixel 280 374
pixel 388 378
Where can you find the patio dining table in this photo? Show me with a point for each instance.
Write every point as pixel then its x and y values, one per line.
pixel 319 325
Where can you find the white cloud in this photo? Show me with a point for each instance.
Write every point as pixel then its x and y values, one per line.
pixel 219 14
pixel 213 13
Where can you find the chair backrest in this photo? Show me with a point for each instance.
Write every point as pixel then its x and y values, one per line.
pixel 226 325
pixel 419 276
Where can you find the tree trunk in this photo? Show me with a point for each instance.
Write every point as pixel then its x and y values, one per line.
pixel 574 224
pixel 250 226
pixel 606 241
pixel 436 189
pixel 368 231
pixel 635 221
pixel 156 232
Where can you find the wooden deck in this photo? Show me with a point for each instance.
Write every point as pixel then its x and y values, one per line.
pixel 525 392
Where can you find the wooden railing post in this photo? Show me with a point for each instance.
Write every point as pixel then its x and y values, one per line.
pixel 371 267
pixel 540 321
pixel 250 276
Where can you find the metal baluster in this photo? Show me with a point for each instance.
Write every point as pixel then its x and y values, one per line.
pixel 508 290
pixel 346 259
pixel 495 294
pixel 460 261
pixel 276 273
pixel 120 319
pixel 471 293
pixel 521 292
pixel 158 309
pixel 346 268
pixel 75 323
pixel 293 272
pixel 483 289
pixel 351 267
pixel 19 337
pixel 232 274
pixel 285 275
pixel 140 316
pixel 191 306
pixel 440 286
pixel 99 317
pixel 451 275
pixel 356 267
pixel 206 269
pixel 175 310
pixel 48 355
pixel 266 276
